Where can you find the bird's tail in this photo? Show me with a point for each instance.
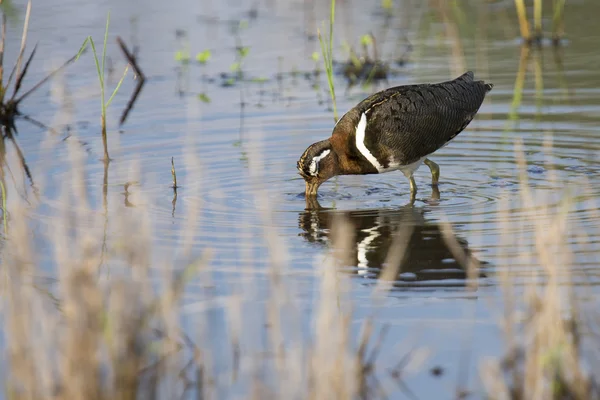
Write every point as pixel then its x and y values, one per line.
pixel 469 77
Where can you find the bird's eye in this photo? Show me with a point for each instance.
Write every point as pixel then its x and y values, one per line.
pixel 314 163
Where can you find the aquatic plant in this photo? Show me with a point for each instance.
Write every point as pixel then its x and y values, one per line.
pixel 558 28
pixel 545 321
pixel 126 335
pixel 183 54
pixel 523 22
pixel 121 335
pixel 203 56
pixel 10 111
pixel 366 68
pixel 327 52
pixel 557 20
pixel 387 6
pixel 100 69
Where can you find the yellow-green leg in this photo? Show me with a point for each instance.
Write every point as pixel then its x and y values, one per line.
pixel 435 171
pixel 413 188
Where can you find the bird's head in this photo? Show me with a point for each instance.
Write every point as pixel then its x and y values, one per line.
pixel 317 164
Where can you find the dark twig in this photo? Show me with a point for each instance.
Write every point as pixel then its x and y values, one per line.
pixel 375 352
pixel 17 66
pixel 131 58
pixel 174 173
pixel 22 74
pixel 38 124
pixel 22 158
pixel 396 374
pixel 197 359
pixel 40 83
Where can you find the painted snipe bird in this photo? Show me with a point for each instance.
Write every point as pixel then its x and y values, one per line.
pixel 394 129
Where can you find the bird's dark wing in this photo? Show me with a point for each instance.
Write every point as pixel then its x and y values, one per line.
pixel 411 121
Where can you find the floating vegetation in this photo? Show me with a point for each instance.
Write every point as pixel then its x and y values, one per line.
pixel 365 68
pixel 241 52
pixel 203 56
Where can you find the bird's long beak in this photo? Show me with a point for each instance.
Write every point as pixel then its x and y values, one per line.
pixel 311 188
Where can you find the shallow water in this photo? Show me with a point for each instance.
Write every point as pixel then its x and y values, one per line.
pixel 242 147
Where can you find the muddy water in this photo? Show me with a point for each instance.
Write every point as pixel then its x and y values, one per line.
pixel 235 153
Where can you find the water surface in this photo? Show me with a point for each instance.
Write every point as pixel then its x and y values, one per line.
pixel 236 154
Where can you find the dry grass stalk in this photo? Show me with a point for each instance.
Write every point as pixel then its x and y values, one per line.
pixel 103 338
pixel 523 22
pixel 23 39
pixel 543 358
pixel 537 18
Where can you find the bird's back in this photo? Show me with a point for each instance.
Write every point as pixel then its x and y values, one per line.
pixel 411 121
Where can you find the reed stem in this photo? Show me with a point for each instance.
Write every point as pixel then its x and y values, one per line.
pixel 523 23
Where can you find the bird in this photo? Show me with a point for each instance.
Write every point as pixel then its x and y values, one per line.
pixel 394 129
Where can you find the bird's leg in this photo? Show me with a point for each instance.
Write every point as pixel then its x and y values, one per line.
pixel 435 171
pixel 413 188
pixel 435 192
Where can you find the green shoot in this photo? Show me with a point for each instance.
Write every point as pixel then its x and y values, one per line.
pixel 316 57
pixel 327 52
pixel 353 58
pixel 537 18
pixel 243 51
pixel 203 56
pixel 557 19
pixel 387 5
pixel 182 56
pixel 366 40
pixel 100 69
pixel 203 97
pixel 8 8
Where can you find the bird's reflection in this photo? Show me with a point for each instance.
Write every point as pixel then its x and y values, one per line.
pixel 427 259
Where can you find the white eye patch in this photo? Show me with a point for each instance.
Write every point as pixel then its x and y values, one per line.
pixel 314 163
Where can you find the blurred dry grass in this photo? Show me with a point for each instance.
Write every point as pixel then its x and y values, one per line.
pixel 113 331
pixel 120 335
pixel 545 325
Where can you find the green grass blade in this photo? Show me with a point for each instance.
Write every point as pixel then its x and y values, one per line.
pixel 97 64
pixel 83 47
pixel 118 86
pixel 331 21
pixel 327 60
pixel 104 48
pixel 557 17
